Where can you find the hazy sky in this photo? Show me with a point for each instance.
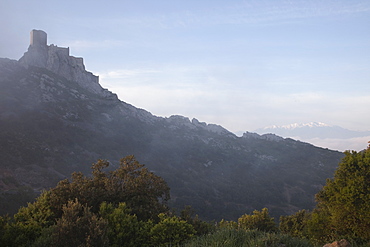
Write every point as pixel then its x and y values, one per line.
pixel 240 64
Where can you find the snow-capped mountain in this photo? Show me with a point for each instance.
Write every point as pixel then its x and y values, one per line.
pixel 312 130
pixel 299 125
pixel 321 134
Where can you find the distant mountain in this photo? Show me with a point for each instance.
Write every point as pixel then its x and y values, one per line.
pixel 55 119
pixel 312 130
pixel 322 135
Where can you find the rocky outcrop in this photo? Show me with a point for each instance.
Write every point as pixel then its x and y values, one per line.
pixel 268 137
pixel 340 243
pixel 57 60
pixel 177 122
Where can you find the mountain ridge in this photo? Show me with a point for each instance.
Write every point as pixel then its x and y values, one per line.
pixel 52 125
pixel 298 125
pixel 331 130
pixel 321 134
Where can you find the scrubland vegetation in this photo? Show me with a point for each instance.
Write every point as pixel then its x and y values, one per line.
pixel 128 207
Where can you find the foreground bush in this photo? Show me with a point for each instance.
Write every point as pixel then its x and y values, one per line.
pixel 124 207
pixel 170 231
pixel 345 199
pixel 343 209
pixel 259 220
pixel 243 238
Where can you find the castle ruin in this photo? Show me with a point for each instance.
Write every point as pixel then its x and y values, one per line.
pixel 57 60
pixel 38 38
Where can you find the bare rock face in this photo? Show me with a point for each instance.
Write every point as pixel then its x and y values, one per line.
pixel 58 60
pixel 340 243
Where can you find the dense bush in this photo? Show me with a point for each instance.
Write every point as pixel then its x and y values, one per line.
pixel 240 238
pixel 170 231
pixel 343 209
pixel 259 220
pixel 124 207
pixel 144 193
pixel 296 224
pixel 124 228
pixel 346 197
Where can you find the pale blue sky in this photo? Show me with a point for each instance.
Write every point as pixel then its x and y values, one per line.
pixel 240 64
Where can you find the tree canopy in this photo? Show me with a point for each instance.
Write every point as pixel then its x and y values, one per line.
pixel 108 208
pixel 145 193
pixel 346 197
pixel 259 220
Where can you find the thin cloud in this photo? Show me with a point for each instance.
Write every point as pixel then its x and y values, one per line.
pixel 258 12
pixel 263 12
pixel 251 12
pixel 125 73
pixel 243 12
pixel 80 45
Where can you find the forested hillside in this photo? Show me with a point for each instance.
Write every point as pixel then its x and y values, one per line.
pixel 128 207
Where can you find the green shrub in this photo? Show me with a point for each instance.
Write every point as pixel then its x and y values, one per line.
pixel 296 224
pixel 243 238
pixel 344 202
pixel 124 229
pixel 170 231
pixel 260 220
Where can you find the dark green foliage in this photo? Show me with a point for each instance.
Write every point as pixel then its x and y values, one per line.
pixel 344 202
pixel 170 231
pixel 53 221
pixel 78 226
pixel 240 238
pixel 144 193
pixel 343 209
pixel 38 213
pixel 3 222
pixel 260 220
pixel 201 227
pixel 123 207
pixel 124 229
pixel 28 223
pixel 319 229
pixel 227 224
pixel 296 224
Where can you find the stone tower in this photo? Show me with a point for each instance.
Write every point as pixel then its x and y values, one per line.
pixel 38 38
pixel 57 60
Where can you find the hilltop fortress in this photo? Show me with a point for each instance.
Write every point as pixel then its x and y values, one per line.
pixel 58 60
